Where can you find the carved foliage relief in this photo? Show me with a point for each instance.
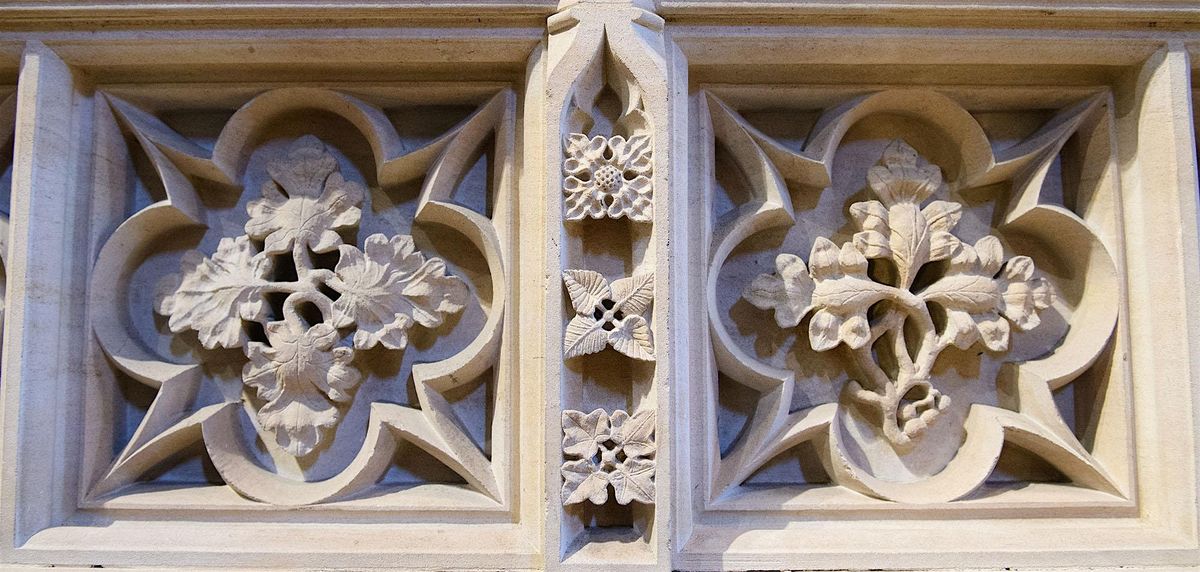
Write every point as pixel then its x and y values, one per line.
pixel 609 316
pixel 604 450
pixel 980 293
pixel 918 340
pixel 380 294
pixel 608 278
pixel 313 339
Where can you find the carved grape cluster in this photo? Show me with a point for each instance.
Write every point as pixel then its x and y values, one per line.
pixel 381 292
pixel 980 293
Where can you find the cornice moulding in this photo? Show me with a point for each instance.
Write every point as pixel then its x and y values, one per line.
pixel 117 15
pixel 1119 15
pixel 1124 15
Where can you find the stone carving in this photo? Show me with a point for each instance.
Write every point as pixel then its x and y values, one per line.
pixel 388 288
pixel 609 315
pixel 214 295
pixel 889 302
pixel 980 293
pixel 616 449
pixel 315 309
pixel 608 177
pixel 318 203
pixel 299 372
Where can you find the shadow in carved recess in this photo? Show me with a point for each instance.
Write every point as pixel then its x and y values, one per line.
pixel 913 302
pixel 303 300
pixel 8 116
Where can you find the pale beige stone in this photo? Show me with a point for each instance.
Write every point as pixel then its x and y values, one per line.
pixel 599 284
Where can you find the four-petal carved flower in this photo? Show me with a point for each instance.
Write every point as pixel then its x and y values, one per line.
pixel 388 287
pixel 306 203
pixel 979 293
pixel 608 177
pixel 609 316
pixel 616 450
pixel 298 375
pixel 214 295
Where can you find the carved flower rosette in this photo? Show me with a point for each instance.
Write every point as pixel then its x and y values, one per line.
pixel 300 306
pixel 923 333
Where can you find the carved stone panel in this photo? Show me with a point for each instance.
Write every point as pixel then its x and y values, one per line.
pixel 308 306
pixel 917 317
pixel 618 285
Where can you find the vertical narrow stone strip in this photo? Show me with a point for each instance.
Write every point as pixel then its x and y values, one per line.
pixel 686 327
pixel 596 47
pixel 43 300
pixel 570 47
pixel 1158 158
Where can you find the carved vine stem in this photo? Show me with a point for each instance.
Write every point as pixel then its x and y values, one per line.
pixel 889 394
pixel 303 372
pixel 980 293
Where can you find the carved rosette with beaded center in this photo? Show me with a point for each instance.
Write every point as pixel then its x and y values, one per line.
pixel 608 177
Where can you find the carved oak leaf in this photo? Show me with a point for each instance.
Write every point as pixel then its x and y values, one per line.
pixel 895 226
pixel 300 375
pixel 788 292
pixel 214 295
pixel 842 296
pixel 836 286
pixel 609 316
pixel 306 203
pixel 608 177
pixel 980 298
pixel 388 288
pixel 899 179
pixel 612 449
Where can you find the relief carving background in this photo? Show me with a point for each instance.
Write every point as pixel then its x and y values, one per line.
pixel 967 289
pixel 598 285
pixel 367 359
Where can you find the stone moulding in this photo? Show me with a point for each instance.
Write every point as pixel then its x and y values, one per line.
pixel 374 295
pixel 886 286
pixel 978 294
pixel 607 153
